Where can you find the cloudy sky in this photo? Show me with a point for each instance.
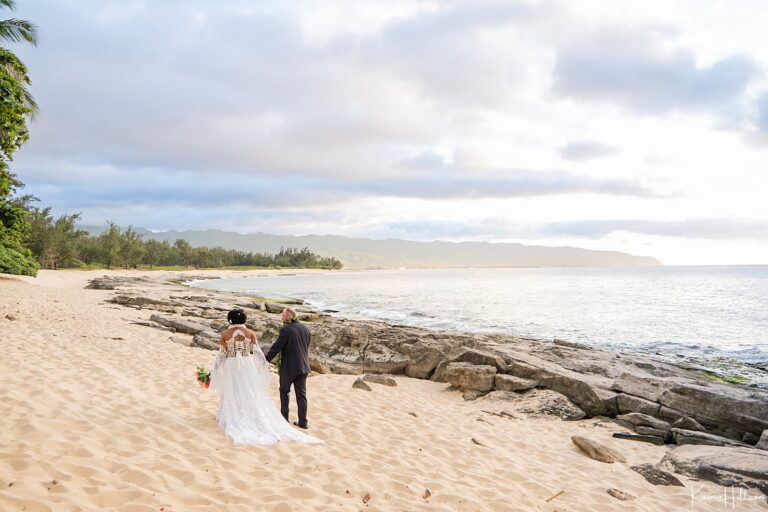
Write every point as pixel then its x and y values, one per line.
pixel 607 124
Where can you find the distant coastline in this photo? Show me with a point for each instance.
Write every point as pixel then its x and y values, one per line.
pixel 363 253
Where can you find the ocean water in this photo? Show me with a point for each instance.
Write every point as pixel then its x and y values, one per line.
pixel 717 316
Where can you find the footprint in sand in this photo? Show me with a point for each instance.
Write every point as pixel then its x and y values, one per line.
pixel 18 464
pixel 81 453
pixel 135 477
pixel 117 498
pixel 300 492
pixel 269 498
pixel 185 477
pixel 81 471
pixel 27 504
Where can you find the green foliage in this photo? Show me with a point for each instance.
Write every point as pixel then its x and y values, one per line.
pixel 14 262
pixel 154 252
pixel 54 243
pixel 18 31
pixel 180 253
pixel 131 248
pixel 89 251
pixel 16 107
pixel 14 224
pixel 110 244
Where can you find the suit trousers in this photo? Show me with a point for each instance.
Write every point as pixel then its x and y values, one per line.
pixel 300 388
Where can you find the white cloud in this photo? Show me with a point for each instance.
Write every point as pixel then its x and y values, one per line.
pixel 405 113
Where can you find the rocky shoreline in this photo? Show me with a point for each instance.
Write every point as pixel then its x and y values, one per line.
pixel 721 430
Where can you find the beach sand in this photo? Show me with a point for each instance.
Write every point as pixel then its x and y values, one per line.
pixel 103 414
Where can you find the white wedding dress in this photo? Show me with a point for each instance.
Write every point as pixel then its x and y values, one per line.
pixel 246 412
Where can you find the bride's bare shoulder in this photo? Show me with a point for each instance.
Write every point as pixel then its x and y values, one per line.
pixel 229 331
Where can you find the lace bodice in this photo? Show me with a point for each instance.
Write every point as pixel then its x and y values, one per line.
pixel 236 346
pixel 242 347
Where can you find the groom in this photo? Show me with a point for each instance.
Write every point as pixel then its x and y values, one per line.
pixel 293 346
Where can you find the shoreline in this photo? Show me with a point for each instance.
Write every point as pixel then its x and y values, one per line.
pixel 724 367
pixel 111 418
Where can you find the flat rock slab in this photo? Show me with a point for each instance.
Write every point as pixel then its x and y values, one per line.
pixel 476 356
pixel 620 495
pixel 154 325
pixel 650 431
pixel 729 466
pixel 182 340
pixel 471 355
pixel 656 475
pixel 316 365
pixel 639 437
pixel 472 394
pixel 512 383
pixel 274 307
pixel 424 356
pixel 628 403
pixel 361 384
pixel 740 408
pixel 689 423
pixel 470 376
pixel 206 339
pixel 180 324
pixel 598 451
pixel 538 402
pixel 590 392
pixel 683 437
pixel 640 419
pixel 378 378
pixel 142 302
pixel 102 283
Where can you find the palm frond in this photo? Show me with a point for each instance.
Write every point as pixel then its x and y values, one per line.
pixel 31 103
pixel 18 31
pixel 10 4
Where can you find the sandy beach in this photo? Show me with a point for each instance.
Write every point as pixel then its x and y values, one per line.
pixel 103 414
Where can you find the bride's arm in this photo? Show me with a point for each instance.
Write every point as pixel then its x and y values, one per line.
pixel 257 353
pixel 260 359
pixel 221 356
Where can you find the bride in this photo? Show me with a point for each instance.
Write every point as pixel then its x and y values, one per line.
pixel 246 412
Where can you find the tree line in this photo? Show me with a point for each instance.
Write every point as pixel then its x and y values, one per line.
pixel 58 243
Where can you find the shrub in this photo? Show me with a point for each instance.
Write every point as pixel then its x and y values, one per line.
pixel 13 262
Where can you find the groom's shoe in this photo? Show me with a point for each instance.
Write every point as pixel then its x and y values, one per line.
pixel 305 426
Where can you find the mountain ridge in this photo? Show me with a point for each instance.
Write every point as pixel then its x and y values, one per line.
pixel 397 253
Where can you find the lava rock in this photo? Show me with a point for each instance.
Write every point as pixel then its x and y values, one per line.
pixel 360 384
pixel 511 383
pixel 598 451
pixel 379 378
pixel 656 476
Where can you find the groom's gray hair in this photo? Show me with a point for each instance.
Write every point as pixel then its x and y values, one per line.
pixel 291 311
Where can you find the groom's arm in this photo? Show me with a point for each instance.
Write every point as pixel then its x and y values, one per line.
pixel 279 343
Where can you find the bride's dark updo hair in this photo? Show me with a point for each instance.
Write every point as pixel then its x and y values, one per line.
pixel 236 316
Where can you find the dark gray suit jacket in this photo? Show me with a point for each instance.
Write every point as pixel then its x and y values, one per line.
pixel 293 346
